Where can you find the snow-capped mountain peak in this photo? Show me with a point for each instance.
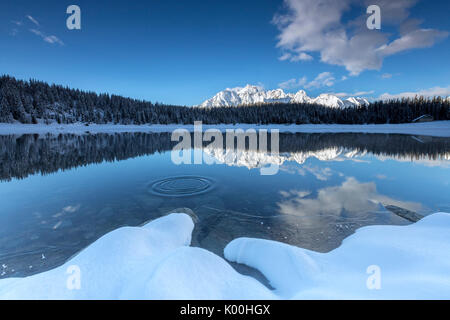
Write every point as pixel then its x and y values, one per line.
pixel 329 100
pixel 248 89
pixel 251 94
pixel 355 101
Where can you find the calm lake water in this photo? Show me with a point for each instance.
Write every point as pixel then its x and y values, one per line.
pixel 60 193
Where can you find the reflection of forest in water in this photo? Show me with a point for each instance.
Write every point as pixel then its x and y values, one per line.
pixel 24 155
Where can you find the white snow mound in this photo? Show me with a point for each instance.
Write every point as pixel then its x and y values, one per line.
pixel 149 262
pixel 411 262
pixel 155 261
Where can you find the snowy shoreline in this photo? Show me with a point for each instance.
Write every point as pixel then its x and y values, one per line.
pixel 436 128
pixel 156 261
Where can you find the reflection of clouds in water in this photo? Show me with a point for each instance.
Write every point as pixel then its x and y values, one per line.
pixel 67 209
pixel 321 174
pixel 71 209
pixel 64 220
pixel 300 194
pixel 352 197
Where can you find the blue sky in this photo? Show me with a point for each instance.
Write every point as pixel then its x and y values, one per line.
pixel 183 52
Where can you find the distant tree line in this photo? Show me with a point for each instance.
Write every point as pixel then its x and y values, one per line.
pixel 36 101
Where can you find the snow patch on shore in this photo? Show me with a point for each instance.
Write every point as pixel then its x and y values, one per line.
pixel 435 128
pixel 155 261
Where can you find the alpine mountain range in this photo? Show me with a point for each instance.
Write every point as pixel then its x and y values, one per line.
pixel 252 94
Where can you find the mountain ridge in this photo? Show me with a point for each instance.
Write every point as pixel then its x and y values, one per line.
pixel 252 94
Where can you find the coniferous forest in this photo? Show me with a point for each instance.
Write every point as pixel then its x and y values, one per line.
pixel 38 102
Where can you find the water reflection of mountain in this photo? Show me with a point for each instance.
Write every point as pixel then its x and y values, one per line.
pixel 30 154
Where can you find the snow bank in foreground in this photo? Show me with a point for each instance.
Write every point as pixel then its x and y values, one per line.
pixel 156 262
pixel 149 262
pixel 413 263
pixel 435 128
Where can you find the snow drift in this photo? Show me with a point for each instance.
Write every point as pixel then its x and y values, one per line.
pixel 155 261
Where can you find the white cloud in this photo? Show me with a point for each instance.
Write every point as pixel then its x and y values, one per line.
pixel 294 58
pixel 431 92
pixel 50 39
pixel 355 94
pixel 324 79
pixel 285 56
pixel 53 39
pixel 421 38
pixel 316 26
pixel 33 20
pixel 302 57
pixel 14 31
pixel 37 32
pixel 293 83
pixel 386 76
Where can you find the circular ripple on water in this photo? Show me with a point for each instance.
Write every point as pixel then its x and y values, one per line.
pixel 181 186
